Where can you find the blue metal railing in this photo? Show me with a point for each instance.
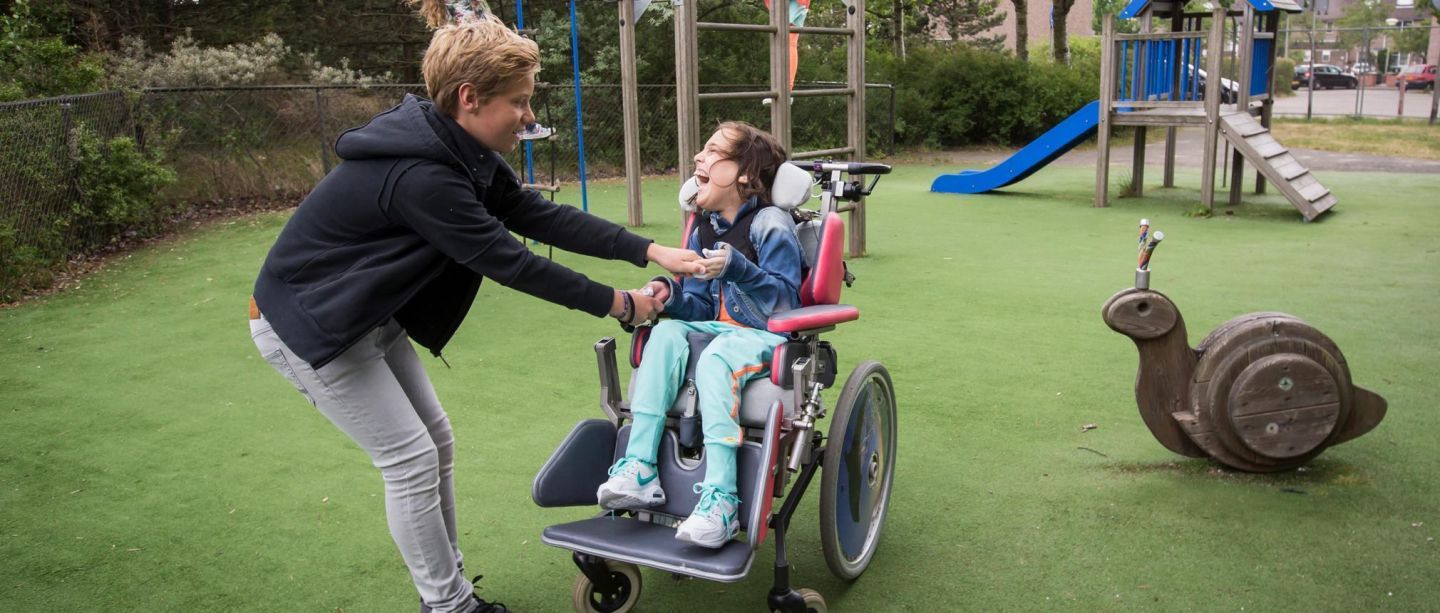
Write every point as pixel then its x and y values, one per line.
pixel 1160 69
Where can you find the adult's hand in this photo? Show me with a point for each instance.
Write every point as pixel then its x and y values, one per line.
pixel 646 308
pixel 641 307
pixel 678 261
pixel 659 289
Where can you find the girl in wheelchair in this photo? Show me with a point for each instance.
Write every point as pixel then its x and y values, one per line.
pixel 753 263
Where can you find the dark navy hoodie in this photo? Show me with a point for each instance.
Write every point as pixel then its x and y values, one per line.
pixel 416 214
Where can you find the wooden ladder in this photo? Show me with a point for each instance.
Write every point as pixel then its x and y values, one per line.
pixel 1278 165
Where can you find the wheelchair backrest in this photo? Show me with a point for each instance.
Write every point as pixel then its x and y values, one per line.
pixel 827 266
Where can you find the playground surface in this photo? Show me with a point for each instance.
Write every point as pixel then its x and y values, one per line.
pixel 150 460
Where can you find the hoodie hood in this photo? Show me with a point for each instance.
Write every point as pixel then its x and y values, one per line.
pixel 401 132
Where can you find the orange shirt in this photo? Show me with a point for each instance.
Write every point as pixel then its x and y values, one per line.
pixel 725 317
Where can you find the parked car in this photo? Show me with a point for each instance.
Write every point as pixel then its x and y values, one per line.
pixel 1326 76
pixel 1418 76
pixel 1229 90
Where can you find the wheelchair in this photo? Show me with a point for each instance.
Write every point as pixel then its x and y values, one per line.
pixel 783 448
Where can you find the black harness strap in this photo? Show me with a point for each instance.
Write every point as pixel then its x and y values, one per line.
pixel 738 236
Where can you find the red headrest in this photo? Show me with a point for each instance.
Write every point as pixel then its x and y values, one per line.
pixel 823 284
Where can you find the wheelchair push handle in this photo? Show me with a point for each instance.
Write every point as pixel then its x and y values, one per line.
pixel 853 168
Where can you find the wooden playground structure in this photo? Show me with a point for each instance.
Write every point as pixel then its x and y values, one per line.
pixel 1154 78
pixel 689 97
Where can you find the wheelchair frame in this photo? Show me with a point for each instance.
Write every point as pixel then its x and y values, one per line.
pixel 799 451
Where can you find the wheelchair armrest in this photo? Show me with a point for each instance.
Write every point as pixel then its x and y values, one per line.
pixel 577 467
pixel 812 318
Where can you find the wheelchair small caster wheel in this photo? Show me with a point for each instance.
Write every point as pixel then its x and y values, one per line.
pixel 814 602
pixel 589 599
pixel 859 468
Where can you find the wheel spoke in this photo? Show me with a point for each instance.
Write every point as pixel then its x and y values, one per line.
pixel 858 470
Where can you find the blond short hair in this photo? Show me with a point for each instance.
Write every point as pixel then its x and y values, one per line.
pixel 481 52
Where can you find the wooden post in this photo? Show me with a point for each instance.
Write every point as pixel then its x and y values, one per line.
pixel 1245 36
pixel 780 71
pixel 630 104
pixel 687 86
pixel 1215 48
pixel 1267 108
pixel 855 113
pixel 1177 24
pixel 1107 99
pixel 1142 63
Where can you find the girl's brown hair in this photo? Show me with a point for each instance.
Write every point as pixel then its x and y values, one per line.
pixel 758 155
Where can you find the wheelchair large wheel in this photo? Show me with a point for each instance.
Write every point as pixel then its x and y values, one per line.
pixel 588 599
pixel 859 466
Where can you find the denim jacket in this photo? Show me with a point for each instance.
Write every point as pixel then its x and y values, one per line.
pixel 753 291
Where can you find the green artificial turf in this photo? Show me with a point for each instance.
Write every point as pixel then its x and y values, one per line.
pixel 151 461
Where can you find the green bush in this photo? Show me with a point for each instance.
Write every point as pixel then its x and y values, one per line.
pixel 961 96
pixel 1280 79
pixel 117 182
pixel 27 260
pixel 113 197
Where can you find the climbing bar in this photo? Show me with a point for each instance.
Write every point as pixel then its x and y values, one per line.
pixel 820 153
pixel 734 27
pixel 836 91
pixel 821 30
pixel 738 95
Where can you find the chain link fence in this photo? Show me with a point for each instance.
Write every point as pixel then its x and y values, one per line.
pixel 243 141
pixel 43 219
pixel 1357 71
pixel 271 142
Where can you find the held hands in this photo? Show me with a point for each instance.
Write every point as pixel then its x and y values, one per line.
pixel 659 289
pixel 678 261
pixel 714 262
pixel 635 307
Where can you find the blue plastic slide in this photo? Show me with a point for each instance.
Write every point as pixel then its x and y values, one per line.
pixel 1061 138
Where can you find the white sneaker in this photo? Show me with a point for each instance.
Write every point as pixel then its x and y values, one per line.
pixel 713 522
pixel 633 484
pixel 535 131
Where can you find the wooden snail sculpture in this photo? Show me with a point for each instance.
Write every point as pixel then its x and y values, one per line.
pixel 1264 392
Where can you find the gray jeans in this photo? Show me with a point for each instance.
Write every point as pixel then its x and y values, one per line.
pixel 376 392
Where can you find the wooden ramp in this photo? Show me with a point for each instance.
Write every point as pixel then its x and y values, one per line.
pixel 1277 164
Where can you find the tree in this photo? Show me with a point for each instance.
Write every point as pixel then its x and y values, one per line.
pixel 1414 39
pixel 1360 16
pixel 1060 38
pixel 903 23
pixel 1101 8
pixel 36 62
pixel 967 19
pixel 1022 29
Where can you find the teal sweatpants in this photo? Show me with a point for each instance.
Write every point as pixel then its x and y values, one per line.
pixel 736 355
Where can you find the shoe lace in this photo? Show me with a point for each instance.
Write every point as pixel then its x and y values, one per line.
pixel 710 495
pixel 622 465
pixel 485 606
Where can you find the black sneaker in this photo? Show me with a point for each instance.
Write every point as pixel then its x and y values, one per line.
pixel 481 605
